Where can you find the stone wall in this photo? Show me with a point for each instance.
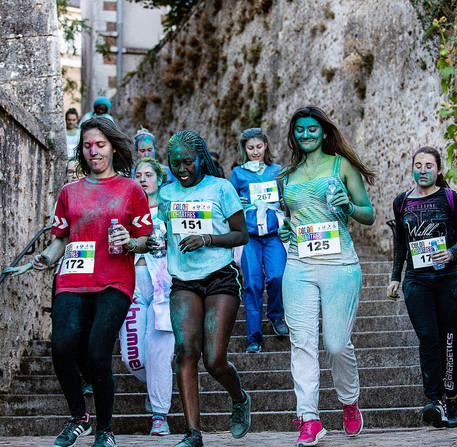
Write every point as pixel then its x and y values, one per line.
pixel 32 161
pixel 237 64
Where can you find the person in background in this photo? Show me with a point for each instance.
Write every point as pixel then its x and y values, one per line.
pixel 215 157
pixel 101 109
pixel 147 341
pixel 145 145
pixel 71 122
pixel 426 216
pixel 264 258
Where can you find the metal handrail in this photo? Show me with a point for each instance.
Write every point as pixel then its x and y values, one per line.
pixel 28 250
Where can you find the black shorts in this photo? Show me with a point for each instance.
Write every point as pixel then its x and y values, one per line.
pixel 226 281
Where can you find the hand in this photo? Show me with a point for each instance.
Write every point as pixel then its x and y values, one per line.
pixel 121 236
pixel 284 232
pixel 19 270
pixel 340 198
pixel 441 256
pixel 392 290
pixel 153 245
pixel 244 200
pixel 192 243
pixel 41 262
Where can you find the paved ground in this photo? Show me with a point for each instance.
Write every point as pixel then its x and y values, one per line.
pixel 369 438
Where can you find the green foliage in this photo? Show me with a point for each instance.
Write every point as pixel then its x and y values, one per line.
pixel 102 46
pixel 446 63
pixel 179 10
pixel 71 27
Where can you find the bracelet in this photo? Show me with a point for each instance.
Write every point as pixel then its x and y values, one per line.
pixel 352 211
pixel 203 239
pixel 134 241
pixel 451 255
pixel 210 240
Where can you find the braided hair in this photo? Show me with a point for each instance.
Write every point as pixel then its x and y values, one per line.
pixel 193 142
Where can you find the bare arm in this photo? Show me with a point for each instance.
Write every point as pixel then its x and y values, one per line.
pixel 51 254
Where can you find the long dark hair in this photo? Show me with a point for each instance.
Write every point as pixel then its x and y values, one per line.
pixel 432 151
pixel 192 141
pixel 254 132
pixel 122 158
pixel 335 143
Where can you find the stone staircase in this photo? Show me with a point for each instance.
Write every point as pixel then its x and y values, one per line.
pixel 386 349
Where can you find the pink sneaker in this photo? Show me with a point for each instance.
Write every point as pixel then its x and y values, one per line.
pixel 310 432
pixel 352 419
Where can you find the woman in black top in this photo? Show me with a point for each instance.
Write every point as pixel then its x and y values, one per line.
pixel 425 218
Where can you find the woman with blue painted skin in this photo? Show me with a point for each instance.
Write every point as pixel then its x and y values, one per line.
pixel 426 215
pixel 204 219
pixel 322 270
pixel 257 186
pixel 147 341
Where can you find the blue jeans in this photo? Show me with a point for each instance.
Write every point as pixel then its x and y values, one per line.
pixel 431 300
pixel 107 310
pixel 267 252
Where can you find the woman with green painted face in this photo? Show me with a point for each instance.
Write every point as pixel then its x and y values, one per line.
pixel 425 220
pixel 323 187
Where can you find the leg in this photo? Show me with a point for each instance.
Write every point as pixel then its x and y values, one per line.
pixel 340 292
pixel 301 306
pixel 70 313
pixel 110 307
pixel 220 316
pixel 251 265
pixel 187 314
pixel 274 261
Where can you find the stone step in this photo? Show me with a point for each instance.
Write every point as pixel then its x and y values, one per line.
pixel 251 380
pixel 216 401
pixel 212 422
pixel 366 357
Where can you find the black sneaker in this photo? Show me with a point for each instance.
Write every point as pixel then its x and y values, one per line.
pixel 279 327
pixel 254 347
pixel 241 417
pixel 451 412
pixel 74 428
pixel 104 439
pixel 192 438
pixel 434 414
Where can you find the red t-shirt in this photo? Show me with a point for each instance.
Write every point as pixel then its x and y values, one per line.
pixel 84 211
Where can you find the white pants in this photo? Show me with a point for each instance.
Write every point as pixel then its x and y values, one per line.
pixel 335 288
pixel 146 351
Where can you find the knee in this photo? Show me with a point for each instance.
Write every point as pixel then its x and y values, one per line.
pixel 186 354
pixel 215 366
pixel 335 348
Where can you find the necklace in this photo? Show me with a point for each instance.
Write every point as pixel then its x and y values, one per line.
pixel 310 173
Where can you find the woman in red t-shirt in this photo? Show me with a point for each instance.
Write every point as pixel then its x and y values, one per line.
pixel 92 283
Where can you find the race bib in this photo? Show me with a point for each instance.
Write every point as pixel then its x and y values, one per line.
pixel 267 191
pixel 79 257
pixel 318 239
pixel 421 251
pixel 191 217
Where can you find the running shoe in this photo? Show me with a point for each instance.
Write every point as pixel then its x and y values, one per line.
pixel 279 327
pixel 241 417
pixel 310 432
pixel 159 426
pixel 434 414
pixel 254 347
pixel 192 438
pixel 104 439
pixel 352 420
pixel 74 428
pixel 451 412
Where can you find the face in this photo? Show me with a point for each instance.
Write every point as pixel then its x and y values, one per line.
pixel 425 170
pixel 100 109
pixel 98 152
pixel 185 166
pixel 71 171
pixel 308 133
pixel 147 178
pixel 145 148
pixel 72 121
pixel 255 149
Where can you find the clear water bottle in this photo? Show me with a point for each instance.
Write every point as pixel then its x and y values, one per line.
pixel 158 236
pixel 436 265
pixel 113 249
pixel 330 193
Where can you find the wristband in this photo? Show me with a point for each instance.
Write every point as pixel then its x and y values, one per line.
pixel 134 245
pixel 451 255
pixel 210 240
pixel 352 211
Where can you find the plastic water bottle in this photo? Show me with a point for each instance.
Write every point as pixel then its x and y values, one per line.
pixel 159 238
pixel 330 193
pixel 113 249
pixel 436 265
